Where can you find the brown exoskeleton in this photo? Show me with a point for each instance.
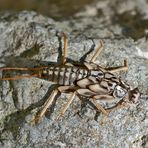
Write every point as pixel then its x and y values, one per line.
pixel 88 80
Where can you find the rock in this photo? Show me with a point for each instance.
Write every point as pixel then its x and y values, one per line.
pixel 28 39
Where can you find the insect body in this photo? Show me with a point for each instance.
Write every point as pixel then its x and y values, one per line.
pixel 88 80
pixel 64 75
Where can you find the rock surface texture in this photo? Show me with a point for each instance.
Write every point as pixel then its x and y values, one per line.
pixel 28 39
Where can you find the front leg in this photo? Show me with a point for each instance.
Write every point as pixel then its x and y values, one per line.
pixel 120 104
pixel 106 111
pixel 98 106
pixel 88 93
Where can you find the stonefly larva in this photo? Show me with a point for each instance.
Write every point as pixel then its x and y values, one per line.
pixel 88 80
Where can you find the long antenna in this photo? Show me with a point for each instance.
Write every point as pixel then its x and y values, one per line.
pixel 20 69
pixel 20 77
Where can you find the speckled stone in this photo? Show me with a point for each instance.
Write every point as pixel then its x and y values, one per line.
pixel 28 39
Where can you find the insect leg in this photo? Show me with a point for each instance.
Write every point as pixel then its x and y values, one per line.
pixel 103 97
pixel 98 51
pixel 120 68
pixel 99 107
pixel 68 87
pixel 67 105
pixel 64 58
pixel 41 113
pixel 120 104
pixel 49 101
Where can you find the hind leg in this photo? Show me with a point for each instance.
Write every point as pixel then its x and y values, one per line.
pixel 98 51
pixel 70 99
pixel 98 106
pixel 65 52
pixel 49 102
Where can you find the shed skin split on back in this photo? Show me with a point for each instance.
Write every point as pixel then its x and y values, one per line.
pixel 88 80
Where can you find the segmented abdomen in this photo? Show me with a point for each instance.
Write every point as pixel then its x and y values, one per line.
pixel 64 75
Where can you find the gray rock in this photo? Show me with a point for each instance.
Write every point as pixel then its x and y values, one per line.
pixel 27 40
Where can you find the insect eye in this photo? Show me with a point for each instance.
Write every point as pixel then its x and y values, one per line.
pixel 119 92
pixel 134 95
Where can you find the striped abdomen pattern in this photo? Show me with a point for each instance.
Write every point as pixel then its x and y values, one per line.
pixel 65 75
